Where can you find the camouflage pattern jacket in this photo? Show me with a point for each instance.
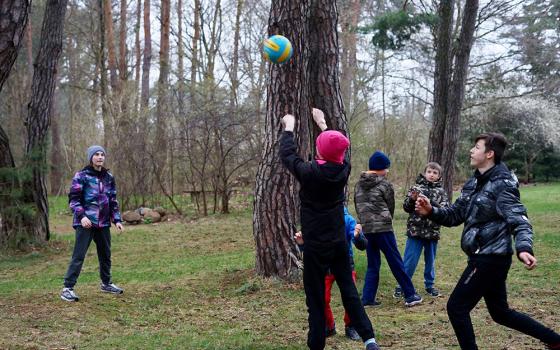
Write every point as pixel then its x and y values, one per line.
pixel 417 226
pixel 374 199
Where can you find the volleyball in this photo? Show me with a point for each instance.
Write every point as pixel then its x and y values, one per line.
pixel 277 49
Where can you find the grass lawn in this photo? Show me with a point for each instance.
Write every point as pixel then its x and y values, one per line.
pixel 191 285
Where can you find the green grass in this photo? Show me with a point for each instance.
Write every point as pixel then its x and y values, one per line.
pixel 191 285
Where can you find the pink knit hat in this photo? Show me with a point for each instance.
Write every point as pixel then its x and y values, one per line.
pixel 331 145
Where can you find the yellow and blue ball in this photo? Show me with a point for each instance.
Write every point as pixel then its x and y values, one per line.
pixel 277 49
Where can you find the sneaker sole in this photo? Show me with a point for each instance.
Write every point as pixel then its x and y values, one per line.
pixel 411 304
pixel 70 300
pixel 108 291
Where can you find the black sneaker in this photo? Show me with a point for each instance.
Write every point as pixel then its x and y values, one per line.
pixel 111 288
pixel 433 292
pixel 373 303
pixel 352 333
pixel 68 295
pixel 398 293
pixel 331 332
pixel 412 300
pixel 373 346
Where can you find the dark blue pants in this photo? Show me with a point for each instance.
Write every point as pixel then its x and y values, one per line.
pixel 84 236
pixel 384 242
pixel 412 252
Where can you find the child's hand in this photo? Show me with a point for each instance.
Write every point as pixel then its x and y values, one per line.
pixel 299 238
pixel 423 205
pixel 319 118
pixel 357 230
pixel 289 122
pixel 413 194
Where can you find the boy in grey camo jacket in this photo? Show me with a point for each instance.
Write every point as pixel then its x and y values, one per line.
pixel 423 234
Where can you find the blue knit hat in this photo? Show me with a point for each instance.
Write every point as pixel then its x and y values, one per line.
pixel 92 150
pixel 379 161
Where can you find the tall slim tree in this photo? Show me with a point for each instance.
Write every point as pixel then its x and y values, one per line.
pixel 309 80
pixel 451 69
pixel 147 59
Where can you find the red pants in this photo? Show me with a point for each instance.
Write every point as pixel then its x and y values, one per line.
pixel 329 280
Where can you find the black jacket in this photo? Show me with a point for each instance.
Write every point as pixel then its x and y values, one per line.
pixel 490 208
pixel 321 195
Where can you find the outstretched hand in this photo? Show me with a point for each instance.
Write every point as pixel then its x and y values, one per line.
pixel 289 122
pixel 298 238
pixel 423 206
pixel 319 118
pixel 528 260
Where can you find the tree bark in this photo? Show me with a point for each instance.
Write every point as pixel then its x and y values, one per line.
pixel 110 41
pixel 309 80
pixel 39 114
pixel 162 100
pixel 145 94
pixel 350 17
pixel 442 80
pixel 457 94
pixel 13 21
pixel 195 42
pixel 123 71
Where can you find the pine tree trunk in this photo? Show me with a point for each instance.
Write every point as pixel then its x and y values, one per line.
pixel 457 94
pixel 162 98
pixel 39 114
pixel 442 80
pixel 123 71
pixel 309 80
pixel 110 42
pixel 145 94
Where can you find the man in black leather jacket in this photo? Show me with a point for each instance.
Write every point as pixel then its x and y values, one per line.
pixel 493 216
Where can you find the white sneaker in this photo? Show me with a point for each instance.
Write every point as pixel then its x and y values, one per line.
pixel 69 295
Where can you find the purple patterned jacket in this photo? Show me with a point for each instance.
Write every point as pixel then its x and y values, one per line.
pixel 93 194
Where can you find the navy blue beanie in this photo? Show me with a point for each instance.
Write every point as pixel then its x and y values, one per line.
pixel 379 161
pixel 92 150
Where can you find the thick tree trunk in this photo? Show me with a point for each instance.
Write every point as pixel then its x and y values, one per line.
pixel 309 80
pixel 457 94
pixel 442 80
pixel 276 214
pixel 13 20
pixel 39 114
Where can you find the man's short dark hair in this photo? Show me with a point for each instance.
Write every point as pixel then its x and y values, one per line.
pixel 494 141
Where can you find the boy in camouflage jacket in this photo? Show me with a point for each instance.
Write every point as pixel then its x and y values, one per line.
pixel 422 232
pixel 374 199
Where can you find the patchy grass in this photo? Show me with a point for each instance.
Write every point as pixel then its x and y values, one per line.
pixel 191 285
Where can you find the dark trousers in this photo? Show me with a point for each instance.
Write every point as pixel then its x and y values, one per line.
pixel 84 236
pixel 488 281
pixel 316 262
pixel 384 242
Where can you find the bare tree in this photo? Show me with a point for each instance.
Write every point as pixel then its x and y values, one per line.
pixel 449 87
